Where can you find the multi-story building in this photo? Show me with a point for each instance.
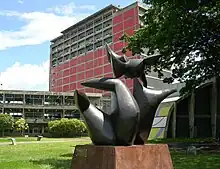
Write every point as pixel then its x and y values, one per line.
pixel 79 54
pixel 38 107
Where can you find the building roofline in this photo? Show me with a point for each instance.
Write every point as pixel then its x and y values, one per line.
pixel 91 16
pixel 95 14
pixel 46 93
pixel 56 38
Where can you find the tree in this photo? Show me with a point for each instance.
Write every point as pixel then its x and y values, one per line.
pixel 20 125
pixel 186 34
pixel 6 122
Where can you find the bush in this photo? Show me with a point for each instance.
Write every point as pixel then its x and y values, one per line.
pixel 67 128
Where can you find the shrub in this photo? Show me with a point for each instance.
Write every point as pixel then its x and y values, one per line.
pixel 67 128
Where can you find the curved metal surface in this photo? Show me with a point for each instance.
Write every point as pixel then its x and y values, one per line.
pixel 148 101
pixel 125 119
pixel 98 123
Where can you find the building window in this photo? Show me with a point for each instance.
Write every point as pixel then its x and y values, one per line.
pixel 60 60
pixel 98 44
pixel 81 44
pixel 54 63
pixel 98 20
pixel 107 16
pixel 98 37
pixel 81 29
pixel 107 33
pixel 89 25
pixel 89 32
pixel 74 32
pixel 107 24
pixel 82 51
pixel 108 40
pixel 72 55
pixel 66 58
pixel 82 35
pixel 89 48
pixel 98 28
pixel 89 40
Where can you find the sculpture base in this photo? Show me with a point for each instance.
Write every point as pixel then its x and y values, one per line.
pixel 150 156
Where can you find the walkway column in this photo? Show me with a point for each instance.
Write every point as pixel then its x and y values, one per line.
pixel 213 106
pixel 174 121
pixel 42 130
pixel 191 109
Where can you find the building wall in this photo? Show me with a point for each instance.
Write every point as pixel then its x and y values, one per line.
pixel 202 117
pixel 93 64
pixel 38 108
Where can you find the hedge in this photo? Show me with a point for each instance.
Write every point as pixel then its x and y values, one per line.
pixel 67 128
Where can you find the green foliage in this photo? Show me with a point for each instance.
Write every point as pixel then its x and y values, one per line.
pixel 67 128
pixel 6 122
pixel 187 34
pixel 20 125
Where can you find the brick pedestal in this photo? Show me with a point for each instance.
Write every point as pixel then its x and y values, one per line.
pixel 151 156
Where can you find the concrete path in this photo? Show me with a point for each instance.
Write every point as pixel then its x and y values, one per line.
pixel 43 142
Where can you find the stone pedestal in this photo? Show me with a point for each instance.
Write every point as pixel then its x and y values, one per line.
pixel 151 156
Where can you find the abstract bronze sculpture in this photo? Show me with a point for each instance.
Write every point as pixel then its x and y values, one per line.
pixel 131 117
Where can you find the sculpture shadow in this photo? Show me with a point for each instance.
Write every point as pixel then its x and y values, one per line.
pixel 54 163
pixel 67 155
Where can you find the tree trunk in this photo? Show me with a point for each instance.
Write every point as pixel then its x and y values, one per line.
pixel 3 133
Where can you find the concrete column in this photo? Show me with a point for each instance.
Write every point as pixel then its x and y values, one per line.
pixel 3 109
pixel 213 106
pixel 43 114
pixel 24 102
pixel 3 98
pixel 63 100
pixel 23 115
pixel 43 101
pixel 63 113
pixel 174 121
pixel 42 130
pixel 191 109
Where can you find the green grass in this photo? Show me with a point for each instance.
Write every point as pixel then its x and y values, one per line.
pixel 38 156
pixel 59 156
pixel 182 140
pixel 200 161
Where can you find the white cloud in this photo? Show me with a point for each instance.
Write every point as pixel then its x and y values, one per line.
pixel 39 26
pixel 20 1
pixel 68 9
pixel 26 77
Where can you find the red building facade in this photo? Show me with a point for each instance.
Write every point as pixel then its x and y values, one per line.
pixel 68 69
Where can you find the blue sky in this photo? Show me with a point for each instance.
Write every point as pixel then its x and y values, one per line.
pixel 26 27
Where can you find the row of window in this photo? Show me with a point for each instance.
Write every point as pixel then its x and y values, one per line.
pixel 60 47
pixel 99 23
pixel 59 60
pixel 89 41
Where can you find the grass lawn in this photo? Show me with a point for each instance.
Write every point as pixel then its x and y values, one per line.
pixel 200 161
pixel 38 156
pixel 59 155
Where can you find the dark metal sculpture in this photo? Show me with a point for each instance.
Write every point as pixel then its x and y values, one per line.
pixel 148 101
pixel 131 116
pixel 126 110
pixel 132 68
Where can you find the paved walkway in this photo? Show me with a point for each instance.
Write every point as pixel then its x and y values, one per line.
pixel 42 142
